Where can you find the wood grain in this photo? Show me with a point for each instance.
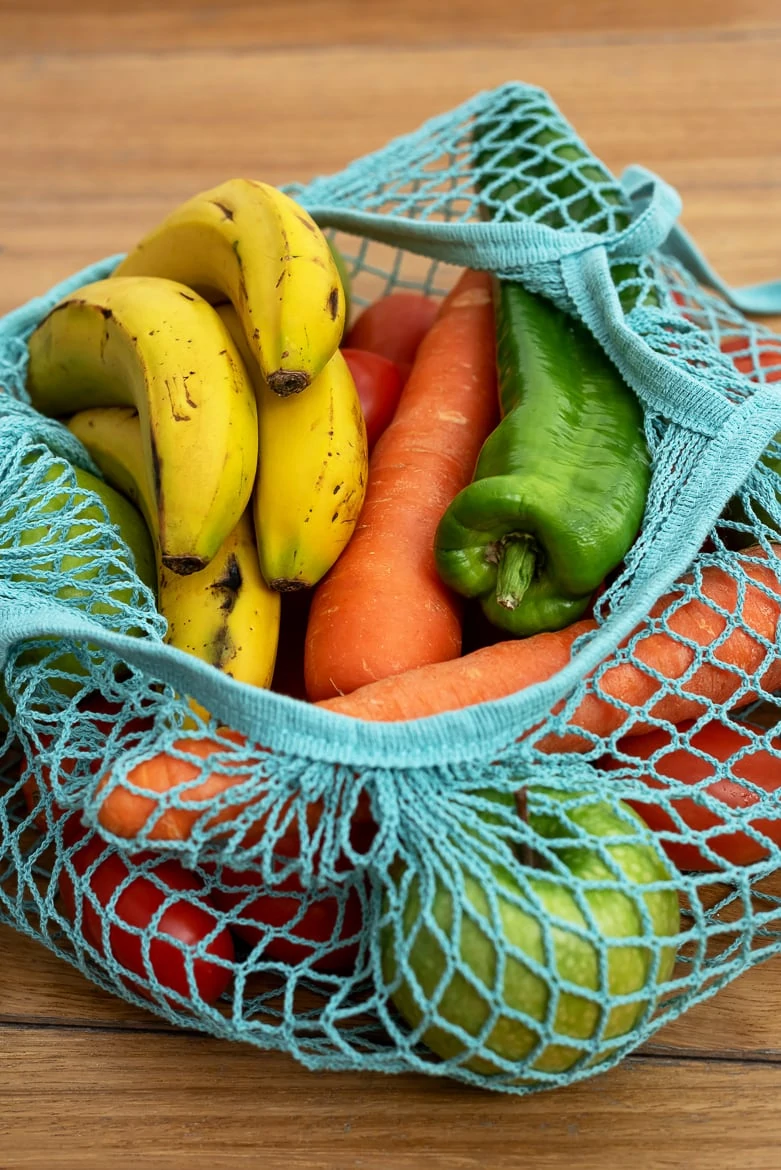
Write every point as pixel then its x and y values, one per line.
pixel 233 1104
pixel 113 114
pixel 89 26
pixel 92 160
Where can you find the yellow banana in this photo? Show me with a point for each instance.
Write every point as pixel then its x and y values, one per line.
pixel 159 347
pixel 252 244
pixel 224 614
pixel 312 469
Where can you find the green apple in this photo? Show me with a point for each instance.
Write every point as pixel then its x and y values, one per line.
pixel 89 580
pixel 536 933
pixel 42 504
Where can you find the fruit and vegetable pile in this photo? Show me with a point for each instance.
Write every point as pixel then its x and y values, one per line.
pixel 293 521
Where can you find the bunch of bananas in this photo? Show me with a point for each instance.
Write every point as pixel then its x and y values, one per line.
pixel 204 378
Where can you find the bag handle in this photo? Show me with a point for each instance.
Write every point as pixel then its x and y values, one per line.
pixel 763 299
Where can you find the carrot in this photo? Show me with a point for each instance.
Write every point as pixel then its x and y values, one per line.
pixel 127 812
pixel 496 671
pixel 382 609
pixel 503 668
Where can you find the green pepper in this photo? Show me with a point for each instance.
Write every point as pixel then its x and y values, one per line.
pixel 559 488
pixel 560 485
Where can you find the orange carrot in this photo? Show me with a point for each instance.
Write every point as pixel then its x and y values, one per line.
pixel 127 813
pixel 383 609
pixel 506 667
pixel 502 669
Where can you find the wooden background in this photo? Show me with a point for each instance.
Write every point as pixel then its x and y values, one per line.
pixel 111 115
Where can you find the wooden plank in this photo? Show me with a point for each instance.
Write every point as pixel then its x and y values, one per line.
pixel 91 161
pixel 169 1101
pixel 40 988
pixel 740 1021
pixel 90 26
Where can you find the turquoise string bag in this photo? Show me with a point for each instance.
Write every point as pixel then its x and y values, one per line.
pixel 473 894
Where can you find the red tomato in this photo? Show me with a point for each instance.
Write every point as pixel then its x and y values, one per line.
pixel 308 920
pixel 721 743
pixel 379 384
pixel 142 896
pixel 394 327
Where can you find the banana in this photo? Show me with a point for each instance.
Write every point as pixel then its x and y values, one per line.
pixel 252 244
pixel 224 614
pixel 159 347
pixel 312 470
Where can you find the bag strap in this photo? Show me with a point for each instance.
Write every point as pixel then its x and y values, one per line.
pixel 762 299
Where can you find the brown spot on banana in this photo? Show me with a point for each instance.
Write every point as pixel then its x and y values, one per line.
pixel 177 415
pixel 242 298
pixel 190 401
pixel 238 375
pixel 308 224
pixel 222 648
pixel 333 303
pixel 226 211
pixel 229 585
pixel 157 483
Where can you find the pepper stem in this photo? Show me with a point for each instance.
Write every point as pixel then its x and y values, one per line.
pixel 515 570
pixel 523 850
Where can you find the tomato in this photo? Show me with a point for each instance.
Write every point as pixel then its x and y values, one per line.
pixel 394 327
pixel 721 743
pixel 307 919
pixel 379 384
pixel 143 893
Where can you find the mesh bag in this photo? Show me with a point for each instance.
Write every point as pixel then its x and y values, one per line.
pixel 468 895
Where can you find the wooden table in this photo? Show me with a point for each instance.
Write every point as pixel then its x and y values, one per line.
pixel 110 117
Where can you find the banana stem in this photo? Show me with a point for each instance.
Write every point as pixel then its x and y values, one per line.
pixel 514 573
